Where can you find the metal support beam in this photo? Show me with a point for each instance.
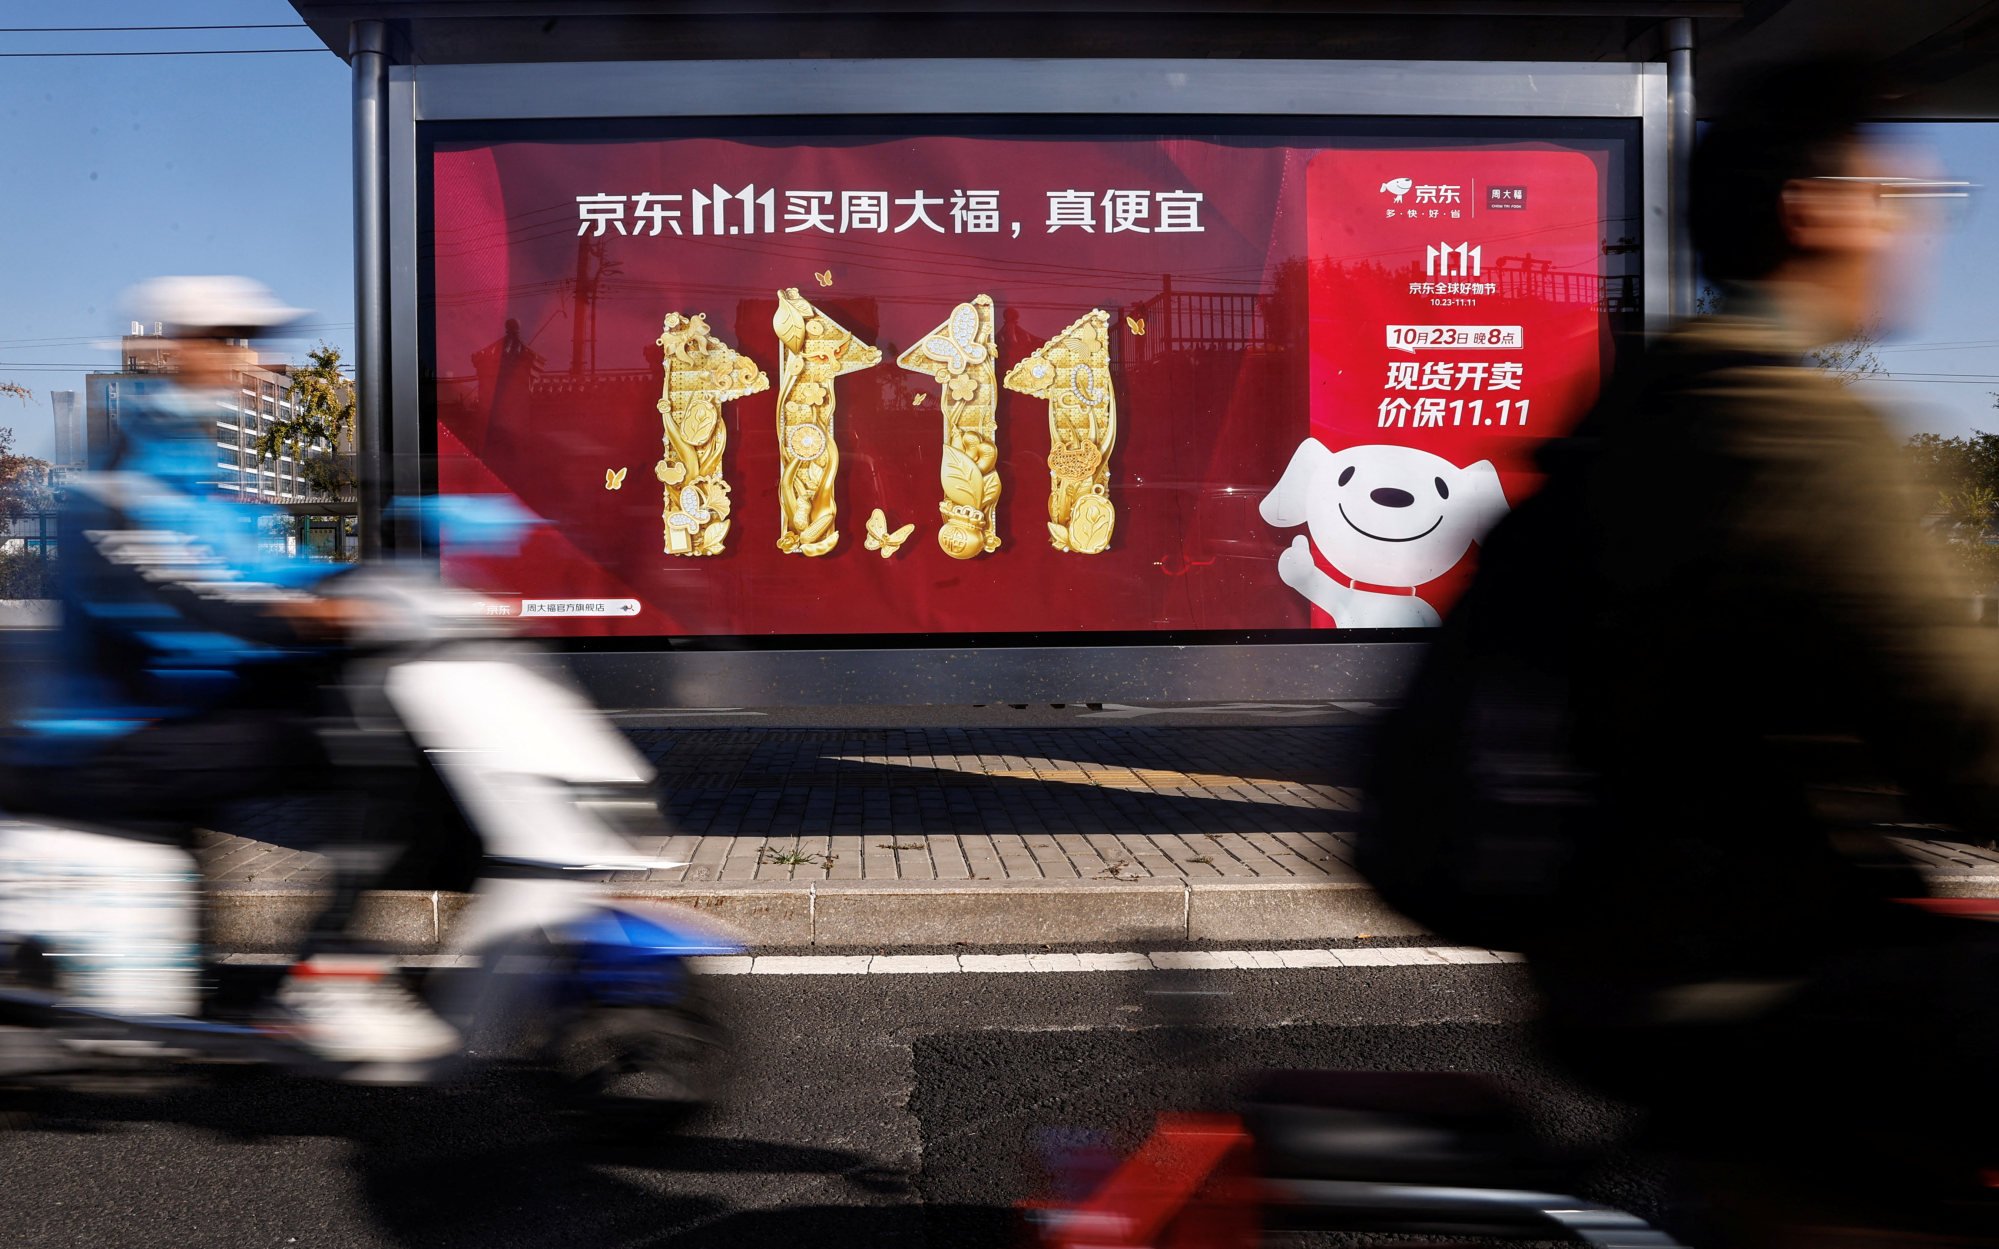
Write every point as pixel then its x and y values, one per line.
pixel 368 48
pixel 1680 151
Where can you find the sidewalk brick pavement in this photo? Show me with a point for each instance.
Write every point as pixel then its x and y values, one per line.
pixel 1123 802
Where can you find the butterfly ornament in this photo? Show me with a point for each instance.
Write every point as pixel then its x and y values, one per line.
pixel 960 348
pixel 614 479
pixel 693 512
pixel 880 539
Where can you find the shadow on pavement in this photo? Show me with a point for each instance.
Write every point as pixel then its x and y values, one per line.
pixel 822 781
pixel 485 1165
pixel 1108 1085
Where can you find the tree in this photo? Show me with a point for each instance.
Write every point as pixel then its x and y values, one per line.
pixel 321 422
pixel 1962 478
pixel 1851 361
pixel 25 574
pixel 1845 363
pixel 1955 467
pixel 24 488
pixel 24 480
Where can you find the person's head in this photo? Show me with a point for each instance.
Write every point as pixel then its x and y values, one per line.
pixel 208 318
pixel 206 361
pixel 1790 186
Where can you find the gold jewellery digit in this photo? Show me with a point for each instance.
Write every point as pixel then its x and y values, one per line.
pixel 959 354
pixel 813 350
pixel 1072 371
pixel 702 374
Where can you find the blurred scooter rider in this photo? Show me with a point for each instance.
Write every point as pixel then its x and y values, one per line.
pixel 190 662
pixel 1756 603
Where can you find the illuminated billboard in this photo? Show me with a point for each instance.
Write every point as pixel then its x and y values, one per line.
pixel 1021 381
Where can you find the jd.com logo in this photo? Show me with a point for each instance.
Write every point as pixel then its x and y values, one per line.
pixel 1426 192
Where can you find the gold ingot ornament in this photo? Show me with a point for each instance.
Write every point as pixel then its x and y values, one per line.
pixel 1072 371
pixel 702 374
pixel 814 349
pixel 959 354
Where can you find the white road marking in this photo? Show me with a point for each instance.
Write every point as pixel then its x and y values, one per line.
pixel 1273 711
pixel 809 965
pixel 404 960
pixel 911 964
pixel 933 964
pixel 682 713
pixel 1169 960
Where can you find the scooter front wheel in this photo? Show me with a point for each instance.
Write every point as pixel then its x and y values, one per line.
pixel 639 1070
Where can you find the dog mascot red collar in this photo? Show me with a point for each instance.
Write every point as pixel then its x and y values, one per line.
pixel 1408 591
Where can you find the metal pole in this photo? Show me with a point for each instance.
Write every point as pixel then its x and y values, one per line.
pixel 367 55
pixel 1680 154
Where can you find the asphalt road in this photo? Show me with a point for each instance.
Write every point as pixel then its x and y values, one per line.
pixel 868 1110
pixel 1003 715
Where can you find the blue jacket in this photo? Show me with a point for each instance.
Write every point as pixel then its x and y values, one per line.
pixel 166 596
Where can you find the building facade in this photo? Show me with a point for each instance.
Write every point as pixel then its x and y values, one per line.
pixel 260 395
pixel 70 443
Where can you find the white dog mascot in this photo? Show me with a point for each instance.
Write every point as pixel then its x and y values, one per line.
pixel 1387 518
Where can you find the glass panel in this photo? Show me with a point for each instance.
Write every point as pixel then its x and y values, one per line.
pixel 1014 385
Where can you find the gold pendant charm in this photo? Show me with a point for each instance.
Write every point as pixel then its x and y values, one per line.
pixel 814 351
pixel 702 374
pixel 959 354
pixel 1072 371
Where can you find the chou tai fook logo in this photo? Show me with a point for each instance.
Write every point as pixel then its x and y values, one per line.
pixel 1452 260
pixel 579 607
pixel 1502 198
pixel 1398 187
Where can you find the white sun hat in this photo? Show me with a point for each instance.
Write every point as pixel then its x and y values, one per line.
pixel 220 305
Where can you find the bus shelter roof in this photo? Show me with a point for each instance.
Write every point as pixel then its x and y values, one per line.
pixel 1945 51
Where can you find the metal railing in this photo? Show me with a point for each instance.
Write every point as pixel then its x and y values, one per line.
pixel 1180 321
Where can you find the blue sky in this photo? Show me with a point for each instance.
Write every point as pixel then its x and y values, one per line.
pixel 1951 336
pixel 120 168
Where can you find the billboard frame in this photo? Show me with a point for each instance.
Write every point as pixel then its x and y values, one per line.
pixel 1339 670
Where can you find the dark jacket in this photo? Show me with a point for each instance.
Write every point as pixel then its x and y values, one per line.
pixel 1762 616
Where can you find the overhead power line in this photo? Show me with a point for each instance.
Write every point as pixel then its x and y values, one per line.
pixel 79 30
pixel 184 52
pixel 1962 379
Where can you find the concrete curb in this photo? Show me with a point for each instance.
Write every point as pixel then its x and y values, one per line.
pixel 837 914
pixel 1968 886
pixel 891 913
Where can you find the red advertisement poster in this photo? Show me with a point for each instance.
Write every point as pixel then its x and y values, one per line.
pixel 1456 301
pixel 992 386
